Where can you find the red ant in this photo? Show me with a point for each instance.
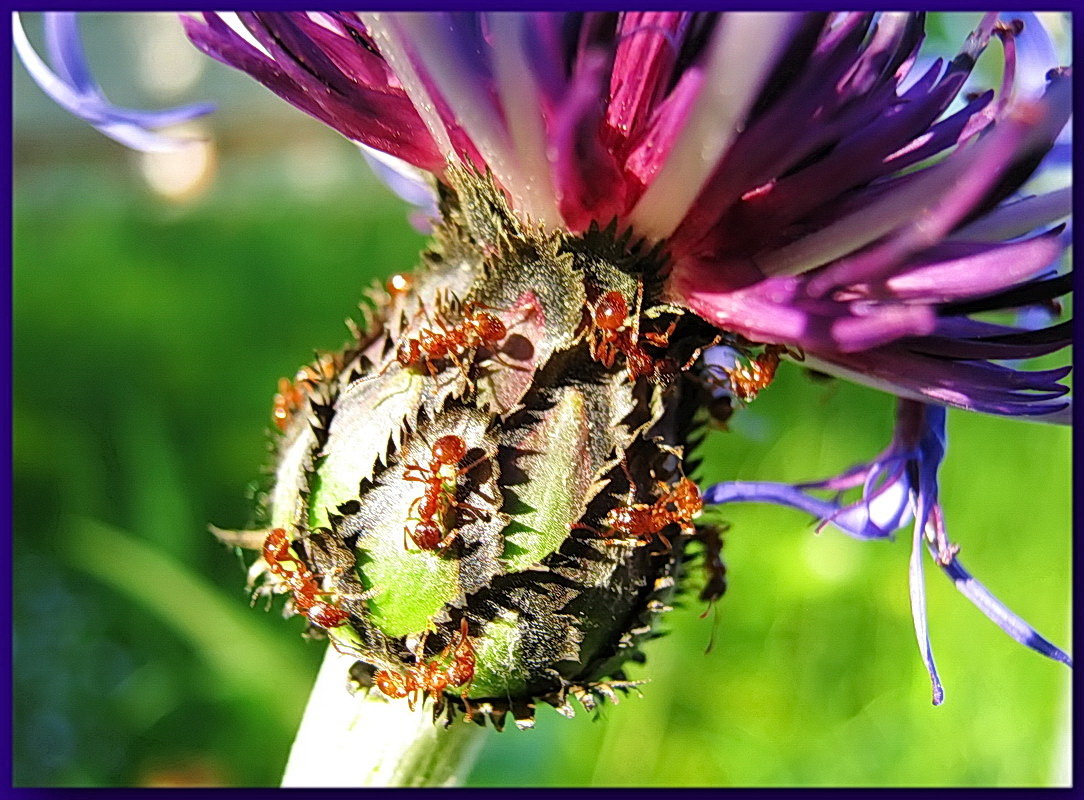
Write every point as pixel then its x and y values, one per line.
pixel 747 380
pixel 609 335
pixel 276 550
pixel 477 329
pixel 434 677
pixel 639 522
pixel 292 394
pixel 438 497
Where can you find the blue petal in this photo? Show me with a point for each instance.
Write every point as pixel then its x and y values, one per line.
pixel 852 520
pixel 999 613
pixel 917 587
pixel 405 180
pixel 1035 54
pixel 75 91
pixel 65 50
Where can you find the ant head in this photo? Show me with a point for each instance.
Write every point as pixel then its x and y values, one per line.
pixel 449 449
pixel 276 545
pixel 611 311
pixel 390 684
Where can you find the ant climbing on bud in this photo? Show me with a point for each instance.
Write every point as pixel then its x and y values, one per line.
pixel 291 394
pixel 282 562
pixel 438 499
pixel 433 677
pixel 609 334
pixel 639 523
pixel 477 328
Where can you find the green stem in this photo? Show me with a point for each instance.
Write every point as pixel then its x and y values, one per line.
pixel 348 740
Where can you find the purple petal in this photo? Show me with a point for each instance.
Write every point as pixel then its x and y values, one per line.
pixel 1037 291
pixel 971 385
pixel 589 181
pixel 951 340
pixel 648 46
pixel 743 51
pixel 380 116
pixel 1018 217
pixel 958 270
pixel 778 310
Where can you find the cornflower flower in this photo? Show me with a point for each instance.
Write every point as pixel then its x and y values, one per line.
pixel 662 206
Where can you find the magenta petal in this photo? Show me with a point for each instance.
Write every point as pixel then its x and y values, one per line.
pixel 958 270
pixel 776 310
pixel 588 179
pixel 648 46
pixel 381 118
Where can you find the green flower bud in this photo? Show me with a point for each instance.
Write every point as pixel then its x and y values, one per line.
pixel 486 491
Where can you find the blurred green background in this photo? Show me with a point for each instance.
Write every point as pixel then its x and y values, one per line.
pixel 154 310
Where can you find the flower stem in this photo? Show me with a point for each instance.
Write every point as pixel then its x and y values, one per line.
pixel 348 740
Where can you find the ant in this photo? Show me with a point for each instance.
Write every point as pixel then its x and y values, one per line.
pixel 434 677
pixel 478 328
pixel 438 497
pixel 710 537
pixel 639 522
pixel 746 380
pixel 276 550
pixel 609 335
pixel 715 585
pixel 292 394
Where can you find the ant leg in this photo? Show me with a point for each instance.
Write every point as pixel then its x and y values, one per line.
pixel 473 464
pixel 446 542
pixel 413 466
pixel 581 526
pixel 509 365
pixel 478 512
pixel 700 350
pixel 638 307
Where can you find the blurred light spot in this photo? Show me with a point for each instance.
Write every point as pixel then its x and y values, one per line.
pixel 829 556
pixel 313 169
pixel 167 64
pixel 51 736
pixel 192 771
pixel 751 425
pixel 183 174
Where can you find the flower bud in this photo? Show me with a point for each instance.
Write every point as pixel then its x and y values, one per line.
pixel 489 484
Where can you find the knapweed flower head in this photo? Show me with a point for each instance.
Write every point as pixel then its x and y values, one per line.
pixel 486 494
